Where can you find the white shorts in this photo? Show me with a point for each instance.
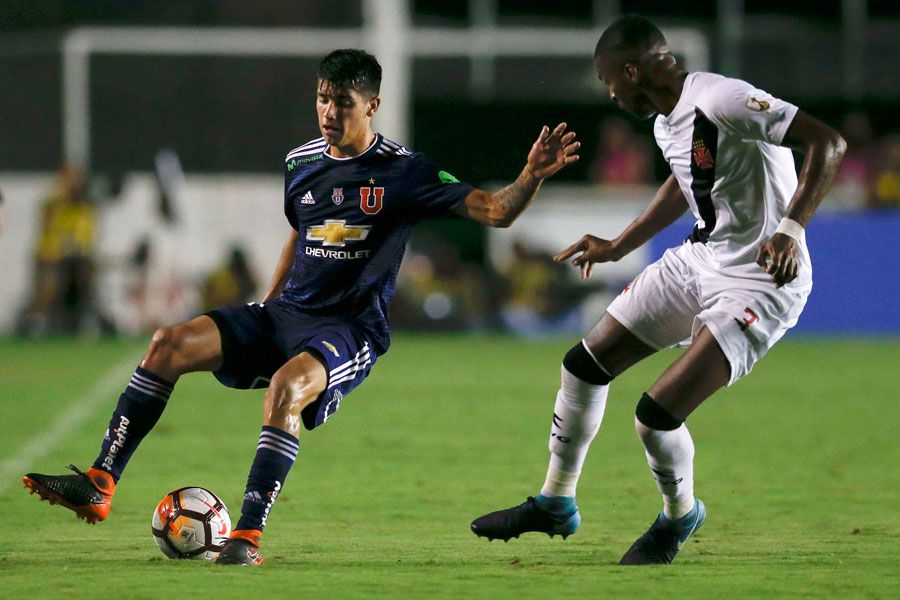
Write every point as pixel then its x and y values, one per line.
pixel 672 299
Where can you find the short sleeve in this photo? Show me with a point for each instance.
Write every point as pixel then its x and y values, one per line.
pixel 431 192
pixel 288 205
pixel 740 109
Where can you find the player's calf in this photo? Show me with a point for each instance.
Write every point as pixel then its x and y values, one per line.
pixel 577 414
pixel 670 454
pixel 89 493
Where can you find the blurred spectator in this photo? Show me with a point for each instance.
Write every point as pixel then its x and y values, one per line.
pixel 1 211
pixel 156 288
pixel 541 299
pixel 885 190
pixel 232 283
pixel 623 157
pixel 63 277
pixel 138 287
pixel 436 291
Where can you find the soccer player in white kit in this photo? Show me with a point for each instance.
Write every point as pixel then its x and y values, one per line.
pixel 732 290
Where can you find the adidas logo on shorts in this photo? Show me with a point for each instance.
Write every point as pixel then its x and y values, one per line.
pixel 307 198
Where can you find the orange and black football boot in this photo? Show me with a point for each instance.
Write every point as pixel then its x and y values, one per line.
pixel 241 549
pixel 88 494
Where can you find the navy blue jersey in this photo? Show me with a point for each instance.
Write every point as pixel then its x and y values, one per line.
pixel 354 217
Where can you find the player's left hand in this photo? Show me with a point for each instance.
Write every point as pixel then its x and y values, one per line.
pixel 778 257
pixel 552 151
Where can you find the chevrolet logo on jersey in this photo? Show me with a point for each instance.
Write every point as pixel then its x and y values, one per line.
pixel 336 232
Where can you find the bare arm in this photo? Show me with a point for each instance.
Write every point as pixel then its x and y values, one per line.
pixel 668 204
pixel 283 268
pixel 824 149
pixel 551 152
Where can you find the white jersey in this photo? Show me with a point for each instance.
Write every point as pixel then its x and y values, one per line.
pixel 722 143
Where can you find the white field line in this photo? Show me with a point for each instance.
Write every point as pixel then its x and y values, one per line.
pixel 13 468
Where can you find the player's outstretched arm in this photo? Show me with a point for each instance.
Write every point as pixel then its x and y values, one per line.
pixel 824 149
pixel 550 152
pixel 668 204
pixel 283 268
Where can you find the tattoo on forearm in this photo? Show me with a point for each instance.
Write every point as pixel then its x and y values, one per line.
pixel 512 199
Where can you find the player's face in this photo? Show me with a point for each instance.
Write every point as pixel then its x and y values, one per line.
pixel 345 114
pixel 623 83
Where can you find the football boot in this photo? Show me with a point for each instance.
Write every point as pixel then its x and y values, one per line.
pixel 88 494
pixel 238 551
pixel 553 516
pixel 660 544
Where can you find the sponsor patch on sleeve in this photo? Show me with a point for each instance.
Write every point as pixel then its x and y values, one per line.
pixel 446 177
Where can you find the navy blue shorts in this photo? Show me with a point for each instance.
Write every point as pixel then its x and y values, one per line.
pixel 257 339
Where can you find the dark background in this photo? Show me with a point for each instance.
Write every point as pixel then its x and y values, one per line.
pixel 242 114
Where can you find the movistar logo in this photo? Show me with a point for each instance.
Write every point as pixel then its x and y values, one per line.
pixel 308 159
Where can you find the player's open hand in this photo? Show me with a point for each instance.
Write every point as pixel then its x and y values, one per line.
pixel 593 250
pixel 778 257
pixel 552 151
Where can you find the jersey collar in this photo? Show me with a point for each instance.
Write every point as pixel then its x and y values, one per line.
pixel 375 143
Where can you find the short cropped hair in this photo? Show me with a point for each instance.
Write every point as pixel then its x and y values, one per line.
pixel 350 68
pixel 630 35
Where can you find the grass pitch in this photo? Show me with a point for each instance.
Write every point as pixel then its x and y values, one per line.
pixel 797 465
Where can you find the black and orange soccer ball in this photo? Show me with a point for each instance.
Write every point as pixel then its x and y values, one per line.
pixel 191 522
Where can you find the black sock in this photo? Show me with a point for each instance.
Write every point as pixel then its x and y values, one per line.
pixel 275 454
pixel 139 408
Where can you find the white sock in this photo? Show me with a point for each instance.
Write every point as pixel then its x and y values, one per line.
pixel 576 419
pixel 670 455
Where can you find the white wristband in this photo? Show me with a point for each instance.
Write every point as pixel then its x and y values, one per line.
pixel 790 228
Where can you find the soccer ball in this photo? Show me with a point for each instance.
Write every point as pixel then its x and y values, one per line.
pixel 191 522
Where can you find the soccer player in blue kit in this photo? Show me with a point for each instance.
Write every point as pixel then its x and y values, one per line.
pixel 352 197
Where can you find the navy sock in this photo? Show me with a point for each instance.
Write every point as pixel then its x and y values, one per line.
pixel 139 408
pixel 275 455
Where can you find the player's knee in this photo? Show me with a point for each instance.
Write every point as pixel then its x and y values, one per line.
pixel 163 348
pixel 293 389
pixel 652 416
pixel 579 362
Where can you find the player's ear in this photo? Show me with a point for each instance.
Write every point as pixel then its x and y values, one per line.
pixel 372 108
pixel 631 72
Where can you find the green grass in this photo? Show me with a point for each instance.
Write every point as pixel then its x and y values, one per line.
pixel 797 465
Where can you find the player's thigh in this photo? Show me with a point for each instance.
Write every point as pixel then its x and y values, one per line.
pixel 614 347
pixel 736 327
pixel 653 312
pixel 251 352
pixel 194 345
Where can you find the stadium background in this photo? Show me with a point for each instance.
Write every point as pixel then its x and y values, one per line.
pixel 181 112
